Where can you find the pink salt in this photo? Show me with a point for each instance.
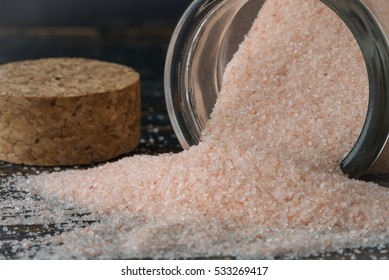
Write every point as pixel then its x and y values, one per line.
pixel 265 180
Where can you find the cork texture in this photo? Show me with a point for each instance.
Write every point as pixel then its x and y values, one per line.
pixel 67 111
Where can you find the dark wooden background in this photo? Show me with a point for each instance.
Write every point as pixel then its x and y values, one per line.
pixel 87 12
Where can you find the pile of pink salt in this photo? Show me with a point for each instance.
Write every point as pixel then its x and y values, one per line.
pixel 265 180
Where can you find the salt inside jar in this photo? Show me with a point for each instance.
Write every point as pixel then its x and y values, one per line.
pixel 208 35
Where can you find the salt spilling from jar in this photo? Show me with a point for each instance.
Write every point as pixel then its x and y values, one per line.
pixel 265 179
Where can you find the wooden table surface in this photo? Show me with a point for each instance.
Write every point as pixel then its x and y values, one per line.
pixel 142 47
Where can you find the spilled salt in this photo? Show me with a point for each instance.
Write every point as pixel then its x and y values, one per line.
pixel 265 180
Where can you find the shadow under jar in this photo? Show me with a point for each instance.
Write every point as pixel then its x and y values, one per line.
pixel 210 32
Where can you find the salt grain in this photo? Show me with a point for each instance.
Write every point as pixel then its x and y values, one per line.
pixel 265 180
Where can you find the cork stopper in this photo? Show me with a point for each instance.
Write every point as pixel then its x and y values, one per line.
pixel 67 111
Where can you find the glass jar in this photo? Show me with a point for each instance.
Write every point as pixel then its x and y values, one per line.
pixel 210 32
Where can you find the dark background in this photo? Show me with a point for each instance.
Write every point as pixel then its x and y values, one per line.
pixel 88 12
